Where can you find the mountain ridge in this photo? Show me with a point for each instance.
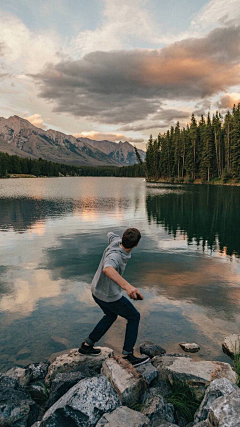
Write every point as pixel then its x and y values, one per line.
pixel 19 136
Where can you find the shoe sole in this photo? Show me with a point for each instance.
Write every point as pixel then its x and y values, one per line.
pixel 88 354
pixel 141 363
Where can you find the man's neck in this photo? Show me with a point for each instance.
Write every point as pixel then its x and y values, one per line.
pixel 126 250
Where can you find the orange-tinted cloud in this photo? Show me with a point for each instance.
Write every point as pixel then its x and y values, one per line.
pixel 129 85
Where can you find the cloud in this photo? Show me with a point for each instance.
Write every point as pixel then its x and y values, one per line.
pixel 119 25
pixel 100 136
pixel 24 50
pixel 171 114
pixel 228 100
pixel 36 120
pixel 126 86
pixel 217 11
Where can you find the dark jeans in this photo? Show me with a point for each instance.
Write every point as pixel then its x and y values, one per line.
pixel 124 308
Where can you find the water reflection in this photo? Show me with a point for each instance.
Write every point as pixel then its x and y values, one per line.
pixel 51 243
pixel 207 215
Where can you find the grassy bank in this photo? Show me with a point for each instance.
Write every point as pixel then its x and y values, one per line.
pixel 196 181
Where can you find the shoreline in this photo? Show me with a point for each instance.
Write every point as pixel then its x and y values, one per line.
pixel 196 182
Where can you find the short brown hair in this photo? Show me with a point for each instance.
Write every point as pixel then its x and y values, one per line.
pixel 131 238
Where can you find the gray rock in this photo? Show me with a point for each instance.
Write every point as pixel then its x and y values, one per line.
pixel 156 408
pixel 190 347
pixel 63 382
pixel 37 371
pixel 198 374
pixel 164 388
pixel 148 371
pixel 151 349
pixel 38 392
pixel 36 424
pixel 72 362
pixel 218 388
pixel 83 405
pixel 202 424
pixel 225 411
pixel 19 374
pixel 123 417
pixel 231 345
pixel 128 383
pixel 166 424
pixel 16 406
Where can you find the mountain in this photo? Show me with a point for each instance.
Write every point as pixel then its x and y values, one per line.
pixel 18 136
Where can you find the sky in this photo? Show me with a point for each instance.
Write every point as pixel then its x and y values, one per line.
pixel 105 69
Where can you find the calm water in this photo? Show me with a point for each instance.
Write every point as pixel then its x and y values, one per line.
pixel 53 233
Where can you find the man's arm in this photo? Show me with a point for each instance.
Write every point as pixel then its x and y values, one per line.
pixel 111 236
pixel 115 276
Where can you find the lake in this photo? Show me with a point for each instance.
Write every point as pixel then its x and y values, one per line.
pixel 52 235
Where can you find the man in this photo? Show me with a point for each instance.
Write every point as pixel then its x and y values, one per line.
pixel 106 290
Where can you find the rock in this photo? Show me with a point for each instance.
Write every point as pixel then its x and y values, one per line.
pixel 16 406
pixel 164 388
pixel 202 424
pixel 38 392
pixel 72 362
pixel 197 374
pixel 62 383
pixel 38 371
pixel 148 371
pixel 190 347
pixel 151 349
pixel 37 424
pixel 218 388
pixel 156 408
pixel 231 345
pixel 166 424
pixel 83 405
pixel 19 374
pixel 123 417
pixel 225 411
pixel 128 383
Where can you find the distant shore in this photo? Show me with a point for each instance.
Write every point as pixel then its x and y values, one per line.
pixel 196 182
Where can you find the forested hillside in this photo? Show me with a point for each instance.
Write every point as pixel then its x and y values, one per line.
pixel 206 150
pixel 18 165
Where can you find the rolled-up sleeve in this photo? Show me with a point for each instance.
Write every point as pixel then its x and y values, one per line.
pixel 111 236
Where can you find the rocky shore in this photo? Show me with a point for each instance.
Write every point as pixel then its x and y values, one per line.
pixel 105 390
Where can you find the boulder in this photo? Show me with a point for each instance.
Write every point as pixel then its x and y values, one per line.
pixel 123 417
pixel 225 411
pixel 231 345
pixel 83 405
pixel 38 392
pixel 73 361
pixel 197 374
pixel 156 408
pixel 19 374
pixel 218 388
pixel 166 424
pixel 202 424
pixel 190 347
pixel 125 379
pixel 151 349
pixel 62 383
pixel 148 371
pixel 16 406
pixel 37 371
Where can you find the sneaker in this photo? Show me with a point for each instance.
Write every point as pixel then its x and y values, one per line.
pixel 89 350
pixel 136 361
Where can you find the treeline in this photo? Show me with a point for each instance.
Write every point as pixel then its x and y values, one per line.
pixel 206 150
pixel 18 165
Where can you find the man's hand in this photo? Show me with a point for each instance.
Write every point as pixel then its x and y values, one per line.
pixel 115 276
pixel 134 292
